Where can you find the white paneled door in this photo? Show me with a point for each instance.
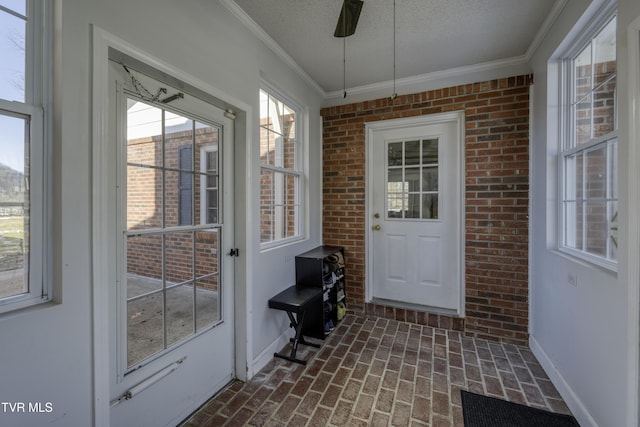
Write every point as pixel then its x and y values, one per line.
pixel 415 202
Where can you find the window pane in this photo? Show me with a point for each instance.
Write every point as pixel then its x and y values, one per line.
pixel 430 206
pixel 178 142
pixel 266 206
pixel 597 228
pixel 612 169
pixel 144 317
pixel 429 151
pixel 289 154
pixel 394 154
pixel 396 189
pixel 582 118
pixel 430 179
pixel 395 183
pixel 290 211
pixel 12 51
pixel 15 5
pixel 208 298
pixel 613 230
pixel 180 308
pixel 288 121
pixel 144 134
pixel 596 173
pixel 604 46
pixel 207 273
pixel 14 206
pixel 412 176
pixel 144 264
pixel 207 251
pixel 582 69
pixel 412 153
pixel 604 108
pixel 145 333
pixel 178 198
pixel 413 208
pixel 573 230
pixel 266 142
pixel 264 110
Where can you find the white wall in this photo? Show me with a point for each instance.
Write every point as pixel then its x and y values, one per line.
pixel 580 334
pixel 46 353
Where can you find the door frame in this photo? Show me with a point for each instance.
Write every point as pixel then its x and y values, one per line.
pixel 371 128
pixel 102 258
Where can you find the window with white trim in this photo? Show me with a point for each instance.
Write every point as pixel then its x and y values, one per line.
pixel 280 170
pixel 24 72
pixel 589 154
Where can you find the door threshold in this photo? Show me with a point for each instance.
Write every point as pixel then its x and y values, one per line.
pixel 415 307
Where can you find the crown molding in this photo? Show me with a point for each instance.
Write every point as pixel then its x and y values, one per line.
pixel 544 29
pixel 424 79
pixel 262 35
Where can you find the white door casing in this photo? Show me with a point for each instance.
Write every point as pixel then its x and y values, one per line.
pixel 415 212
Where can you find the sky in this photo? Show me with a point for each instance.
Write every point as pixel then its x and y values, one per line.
pixel 12 68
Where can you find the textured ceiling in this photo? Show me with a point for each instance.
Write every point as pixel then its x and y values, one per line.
pixel 431 35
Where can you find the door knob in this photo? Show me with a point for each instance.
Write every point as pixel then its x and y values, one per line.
pixel 376 227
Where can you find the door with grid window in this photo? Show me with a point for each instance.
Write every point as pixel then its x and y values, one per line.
pixel 415 213
pixel 172 305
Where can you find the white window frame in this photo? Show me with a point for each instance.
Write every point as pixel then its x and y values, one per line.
pixel 204 164
pixel 567 147
pixel 36 109
pixel 298 172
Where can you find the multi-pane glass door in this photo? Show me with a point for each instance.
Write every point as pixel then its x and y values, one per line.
pixel 172 232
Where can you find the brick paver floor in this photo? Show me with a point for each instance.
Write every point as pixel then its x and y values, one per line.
pixel 379 372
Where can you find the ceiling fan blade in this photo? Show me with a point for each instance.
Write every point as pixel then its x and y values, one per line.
pixel 348 19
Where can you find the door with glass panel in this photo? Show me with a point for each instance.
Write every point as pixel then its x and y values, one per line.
pixel 415 235
pixel 172 305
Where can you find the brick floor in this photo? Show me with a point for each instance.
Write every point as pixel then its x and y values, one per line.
pixel 379 372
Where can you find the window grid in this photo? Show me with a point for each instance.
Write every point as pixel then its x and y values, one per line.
pixel 412 179
pixel 24 81
pixel 589 158
pixel 280 175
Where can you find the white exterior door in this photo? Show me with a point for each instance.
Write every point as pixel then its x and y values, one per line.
pixel 171 301
pixel 415 218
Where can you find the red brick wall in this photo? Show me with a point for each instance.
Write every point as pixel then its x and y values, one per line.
pixel 496 197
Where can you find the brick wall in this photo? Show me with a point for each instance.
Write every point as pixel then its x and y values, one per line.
pixel 496 199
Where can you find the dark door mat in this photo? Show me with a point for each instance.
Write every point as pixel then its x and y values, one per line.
pixel 485 411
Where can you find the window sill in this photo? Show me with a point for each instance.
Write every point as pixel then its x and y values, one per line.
pixel 587 260
pixel 279 243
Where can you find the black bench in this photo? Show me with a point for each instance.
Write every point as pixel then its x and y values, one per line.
pixel 296 301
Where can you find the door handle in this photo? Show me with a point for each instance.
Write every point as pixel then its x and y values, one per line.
pixel 376 227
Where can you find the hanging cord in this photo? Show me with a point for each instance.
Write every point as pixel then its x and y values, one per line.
pixel 344 49
pixel 344 67
pixel 394 95
pixel 146 95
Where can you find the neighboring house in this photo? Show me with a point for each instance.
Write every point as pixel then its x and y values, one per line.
pixel 282 169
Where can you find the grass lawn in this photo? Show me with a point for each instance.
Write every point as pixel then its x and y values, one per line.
pixel 12 226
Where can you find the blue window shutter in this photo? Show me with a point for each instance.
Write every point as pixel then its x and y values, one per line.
pixel 185 186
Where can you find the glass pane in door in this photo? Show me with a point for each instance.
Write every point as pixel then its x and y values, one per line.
pixel 412 179
pixel 172 260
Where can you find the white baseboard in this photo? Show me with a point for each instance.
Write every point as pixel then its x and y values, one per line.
pixel 572 400
pixel 267 354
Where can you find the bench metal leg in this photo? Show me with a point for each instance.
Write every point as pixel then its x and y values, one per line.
pixel 296 324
